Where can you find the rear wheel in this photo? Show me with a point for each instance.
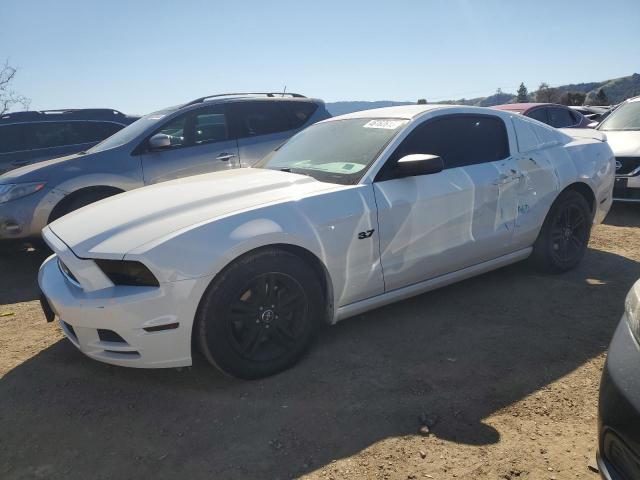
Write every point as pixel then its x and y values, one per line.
pixel 564 236
pixel 260 315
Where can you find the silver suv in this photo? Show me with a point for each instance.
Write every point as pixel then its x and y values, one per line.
pixel 212 133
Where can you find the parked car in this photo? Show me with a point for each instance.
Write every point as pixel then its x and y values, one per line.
pixel 622 128
pixel 218 132
pixel 558 116
pixel 35 136
pixel 619 406
pixel 353 213
pixel 592 112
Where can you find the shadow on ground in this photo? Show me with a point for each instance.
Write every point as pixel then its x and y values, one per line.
pixel 624 215
pixel 462 353
pixel 19 274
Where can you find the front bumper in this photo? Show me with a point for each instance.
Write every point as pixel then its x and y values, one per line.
pixel 627 188
pixel 619 408
pixel 24 218
pixel 108 324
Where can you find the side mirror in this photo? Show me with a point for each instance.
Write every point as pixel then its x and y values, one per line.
pixel 418 164
pixel 159 140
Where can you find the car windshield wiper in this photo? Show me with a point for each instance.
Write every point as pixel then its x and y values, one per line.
pixel 286 169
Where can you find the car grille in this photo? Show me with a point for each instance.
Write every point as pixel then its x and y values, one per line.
pixel 626 165
pixel 623 459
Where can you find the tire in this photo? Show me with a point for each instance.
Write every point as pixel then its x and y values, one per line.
pixel 563 239
pixel 81 200
pixel 260 315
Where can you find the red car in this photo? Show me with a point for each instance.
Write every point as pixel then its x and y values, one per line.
pixel 559 116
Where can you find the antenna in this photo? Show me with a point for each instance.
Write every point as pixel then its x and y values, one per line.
pixel 284 91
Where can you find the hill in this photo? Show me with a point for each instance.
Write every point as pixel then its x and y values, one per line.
pixel 616 90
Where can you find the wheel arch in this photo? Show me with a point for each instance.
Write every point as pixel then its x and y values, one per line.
pixel 318 266
pixel 583 189
pixel 70 197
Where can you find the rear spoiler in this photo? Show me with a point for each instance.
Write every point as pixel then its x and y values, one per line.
pixel 588 133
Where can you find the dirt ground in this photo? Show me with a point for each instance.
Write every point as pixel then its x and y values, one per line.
pixel 506 365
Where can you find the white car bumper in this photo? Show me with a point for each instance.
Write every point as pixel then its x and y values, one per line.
pixel 90 319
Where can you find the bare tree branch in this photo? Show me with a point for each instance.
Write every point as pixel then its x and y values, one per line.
pixel 8 97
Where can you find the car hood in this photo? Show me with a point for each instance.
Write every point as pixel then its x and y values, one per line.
pixel 112 227
pixel 624 144
pixel 40 171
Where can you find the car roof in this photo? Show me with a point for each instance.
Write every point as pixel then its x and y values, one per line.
pixel 523 107
pixel 410 111
pixel 108 114
pixel 240 97
pixel 400 111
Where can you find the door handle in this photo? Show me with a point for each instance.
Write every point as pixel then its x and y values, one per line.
pixel 225 157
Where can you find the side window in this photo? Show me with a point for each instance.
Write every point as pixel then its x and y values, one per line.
pixel 259 118
pixel 175 130
pixel 53 134
pixel 13 138
pixel 299 112
pixel 559 118
pixel 210 125
pixel 459 139
pixel 97 131
pixel 539 114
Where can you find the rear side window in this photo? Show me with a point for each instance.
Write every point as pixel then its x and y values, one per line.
pixel 299 112
pixel 13 138
pixel 459 139
pixel 253 119
pixel 539 114
pixel 559 118
pixel 210 126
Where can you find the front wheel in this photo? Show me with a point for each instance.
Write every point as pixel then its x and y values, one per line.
pixel 260 315
pixel 564 236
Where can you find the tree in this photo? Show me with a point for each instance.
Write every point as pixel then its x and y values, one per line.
pixel 601 98
pixel 572 98
pixel 546 94
pixel 522 96
pixel 9 98
pixel 422 101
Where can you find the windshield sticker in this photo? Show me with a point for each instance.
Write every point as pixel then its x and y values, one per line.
pixel 386 124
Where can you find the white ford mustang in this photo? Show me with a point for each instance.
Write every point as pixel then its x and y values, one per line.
pixel 350 214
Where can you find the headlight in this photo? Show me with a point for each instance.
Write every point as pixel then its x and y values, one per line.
pixel 126 272
pixel 632 309
pixel 12 191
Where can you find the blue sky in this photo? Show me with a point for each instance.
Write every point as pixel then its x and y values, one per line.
pixel 138 56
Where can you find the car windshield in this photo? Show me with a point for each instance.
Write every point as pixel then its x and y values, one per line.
pixel 625 117
pixel 337 151
pixel 130 132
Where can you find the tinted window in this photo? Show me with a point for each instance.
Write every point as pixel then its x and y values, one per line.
pixel 210 126
pixel 460 140
pixel 559 118
pixel 97 131
pixel 259 118
pixel 299 112
pixel 13 138
pixel 539 114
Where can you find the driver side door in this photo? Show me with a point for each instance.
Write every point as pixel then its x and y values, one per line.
pixel 434 224
pixel 200 143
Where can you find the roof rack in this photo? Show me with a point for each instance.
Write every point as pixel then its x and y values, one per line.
pixel 268 94
pixel 71 112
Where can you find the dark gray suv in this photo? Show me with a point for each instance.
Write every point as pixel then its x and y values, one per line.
pixel 30 137
pixel 205 135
